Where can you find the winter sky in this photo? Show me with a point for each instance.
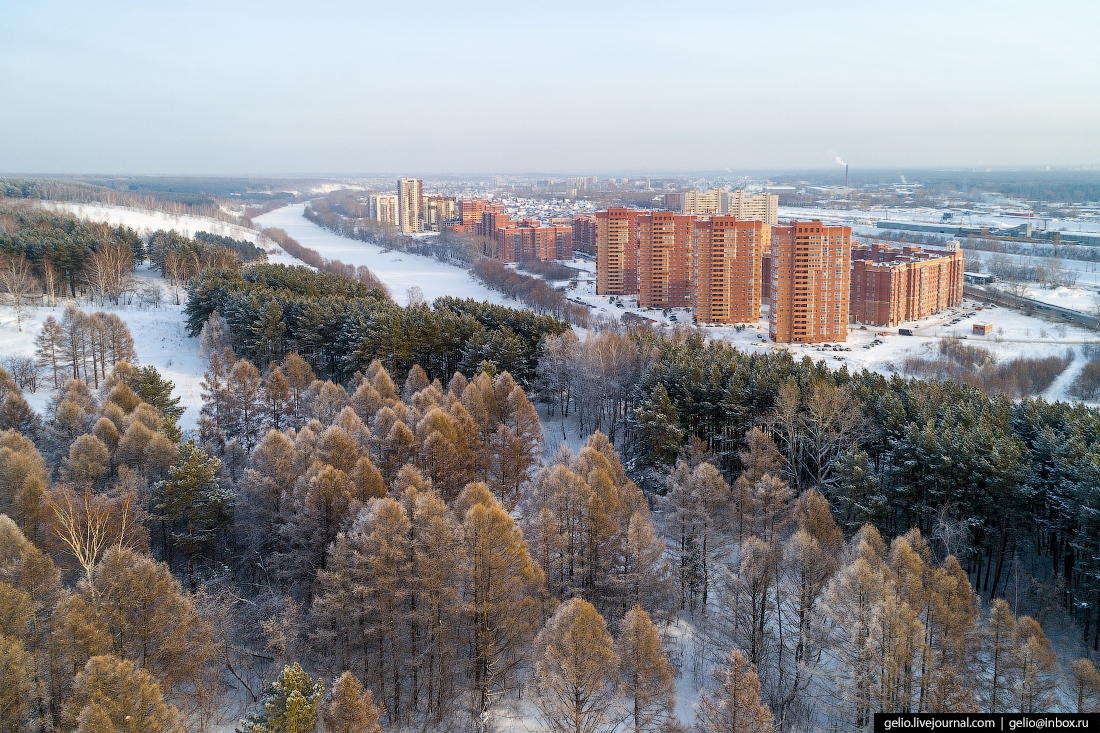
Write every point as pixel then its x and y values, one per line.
pixel 509 87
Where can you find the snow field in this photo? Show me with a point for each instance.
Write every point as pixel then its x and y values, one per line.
pixel 159 338
pixel 145 222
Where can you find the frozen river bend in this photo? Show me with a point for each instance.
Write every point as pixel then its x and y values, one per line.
pixel 398 270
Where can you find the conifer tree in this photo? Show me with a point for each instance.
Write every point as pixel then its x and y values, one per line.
pixel 191 501
pixel 646 680
pixel 117 691
pixel 1000 667
pixel 17 683
pixel 150 620
pixel 733 705
pixel 351 709
pixel 1084 686
pixel 48 345
pixel 1036 668
pixel 157 391
pixel 574 679
pixel 290 704
pixel 852 600
pixel 501 605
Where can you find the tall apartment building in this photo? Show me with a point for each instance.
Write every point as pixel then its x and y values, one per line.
pixel 470 210
pixel 584 234
pixel 761 207
pixel 891 285
pixel 727 269
pixel 493 218
pixel 439 211
pixel 811 271
pixel 384 208
pixel 714 201
pixel 529 240
pixel 410 194
pixel 664 259
pixel 616 252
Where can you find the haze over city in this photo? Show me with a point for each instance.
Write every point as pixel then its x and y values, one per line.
pixel 560 367
pixel 432 88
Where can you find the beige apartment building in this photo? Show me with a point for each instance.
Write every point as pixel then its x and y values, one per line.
pixel 410 195
pixel 720 202
pixel 699 203
pixel 761 207
pixel 383 208
pixel 438 211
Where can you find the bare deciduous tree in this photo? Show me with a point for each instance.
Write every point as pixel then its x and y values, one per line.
pixel 19 283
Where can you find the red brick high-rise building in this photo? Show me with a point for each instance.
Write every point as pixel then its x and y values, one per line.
pixel 811 271
pixel 529 240
pixel 891 285
pixel 727 269
pixel 664 259
pixel 616 252
pixel 584 234
pixel 470 210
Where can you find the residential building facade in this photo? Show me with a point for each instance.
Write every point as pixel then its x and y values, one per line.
pixel 727 269
pixel 664 259
pixel 384 208
pixel 584 234
pixel 410 194
pixel 529 240
pixel 811 274
pixel 761 207
pixel 616 252
pixel 891 285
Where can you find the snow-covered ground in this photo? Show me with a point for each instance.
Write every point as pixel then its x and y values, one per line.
pixel 159 338
pixel 144 221
pixel 398 270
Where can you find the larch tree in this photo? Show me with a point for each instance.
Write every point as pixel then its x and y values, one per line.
pixel 1036 668
pixel 999 646
pixel 502 596
pixel 114 690
pixel 733 704
pixel 574 679
pixel 1084 686
pixel 17 684
pixel 351 708
pixel 647 682
pixel 151 621
pixel 851 605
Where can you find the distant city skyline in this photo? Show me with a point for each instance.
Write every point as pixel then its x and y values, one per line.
pixel 431 89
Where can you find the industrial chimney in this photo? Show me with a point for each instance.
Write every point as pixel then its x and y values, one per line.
pixel 845 175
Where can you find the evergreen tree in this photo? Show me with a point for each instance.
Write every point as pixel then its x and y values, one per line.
pixel 290 704
pixel 192 503
pixel 157 391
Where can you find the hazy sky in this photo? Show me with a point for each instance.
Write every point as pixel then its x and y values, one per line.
pixel 268 87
